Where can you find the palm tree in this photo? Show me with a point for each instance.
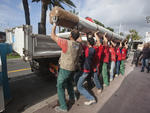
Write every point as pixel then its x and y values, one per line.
pixel 134 35
pixel 26 11
pixel 50 4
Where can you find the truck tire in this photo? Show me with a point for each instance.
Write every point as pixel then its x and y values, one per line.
pixel 41 67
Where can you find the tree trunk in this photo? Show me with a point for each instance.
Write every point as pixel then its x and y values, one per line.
pixel 42 26
pixel 26 11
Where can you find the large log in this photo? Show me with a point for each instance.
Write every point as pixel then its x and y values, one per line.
pixel 65 19
pixel 69 20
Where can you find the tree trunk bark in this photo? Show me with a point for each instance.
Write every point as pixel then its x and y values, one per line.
pixel 43 19
pixel 26 11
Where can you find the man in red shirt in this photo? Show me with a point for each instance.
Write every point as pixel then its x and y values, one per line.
pixel 105 60
pixel 96 62
pixel 113 59
pixel 123 58
pixel 118 55
pixel 87 66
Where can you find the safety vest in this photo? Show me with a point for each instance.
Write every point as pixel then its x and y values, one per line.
pixel 69 60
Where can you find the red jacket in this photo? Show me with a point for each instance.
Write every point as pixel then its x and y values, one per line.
pixel 113 54
pixel 97 57
pixel 124 53
pixel 106 54
pixel 118 54
pixel 89 55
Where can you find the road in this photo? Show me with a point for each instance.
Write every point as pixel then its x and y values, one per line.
pixel 17 67
pixel 27 88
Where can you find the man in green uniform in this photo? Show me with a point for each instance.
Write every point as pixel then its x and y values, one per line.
pixel 68 63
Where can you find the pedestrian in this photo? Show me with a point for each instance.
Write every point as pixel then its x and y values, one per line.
pixel 68 63
pixel 123 57
pixel 118 57
pixel 79 70
pixel 87 66
pixel 136 56
pixel 112 51
pixel 105 61
pixel 145 57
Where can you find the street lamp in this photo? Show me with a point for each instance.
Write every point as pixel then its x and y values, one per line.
pixel 147 33
pixel 148 19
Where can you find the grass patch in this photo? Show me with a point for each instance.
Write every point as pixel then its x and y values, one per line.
pixel 13 55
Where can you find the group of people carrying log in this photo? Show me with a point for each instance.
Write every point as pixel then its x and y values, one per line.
pixel 80 61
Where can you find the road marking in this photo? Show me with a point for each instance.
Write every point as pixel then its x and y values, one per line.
pixel 13 71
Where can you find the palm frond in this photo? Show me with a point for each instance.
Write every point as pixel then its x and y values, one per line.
pixel 36 0
pixel 68 3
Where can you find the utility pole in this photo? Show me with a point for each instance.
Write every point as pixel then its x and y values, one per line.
pixel 147 35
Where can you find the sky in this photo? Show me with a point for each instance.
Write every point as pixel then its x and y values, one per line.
pixel 122 15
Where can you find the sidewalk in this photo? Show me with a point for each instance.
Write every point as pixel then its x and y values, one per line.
pixel 47 106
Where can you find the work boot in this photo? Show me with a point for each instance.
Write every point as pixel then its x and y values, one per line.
pixel 111 79
pixel 58 109
pixel 104 85
pixel 90 102
pixel 116 75
pixel 99 91
pixel 72 101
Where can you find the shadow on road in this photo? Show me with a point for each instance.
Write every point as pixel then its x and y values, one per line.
pixel 28 90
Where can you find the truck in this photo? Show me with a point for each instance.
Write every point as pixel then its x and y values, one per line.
pixel 39 50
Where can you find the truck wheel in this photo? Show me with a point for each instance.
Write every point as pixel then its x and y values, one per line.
pixel 44 71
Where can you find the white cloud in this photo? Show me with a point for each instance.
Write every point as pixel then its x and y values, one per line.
pixel 20 6
pixel 129 13
pixel 9 17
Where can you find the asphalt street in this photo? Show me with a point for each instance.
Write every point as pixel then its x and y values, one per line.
pixel 27 88
pixel 17 67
